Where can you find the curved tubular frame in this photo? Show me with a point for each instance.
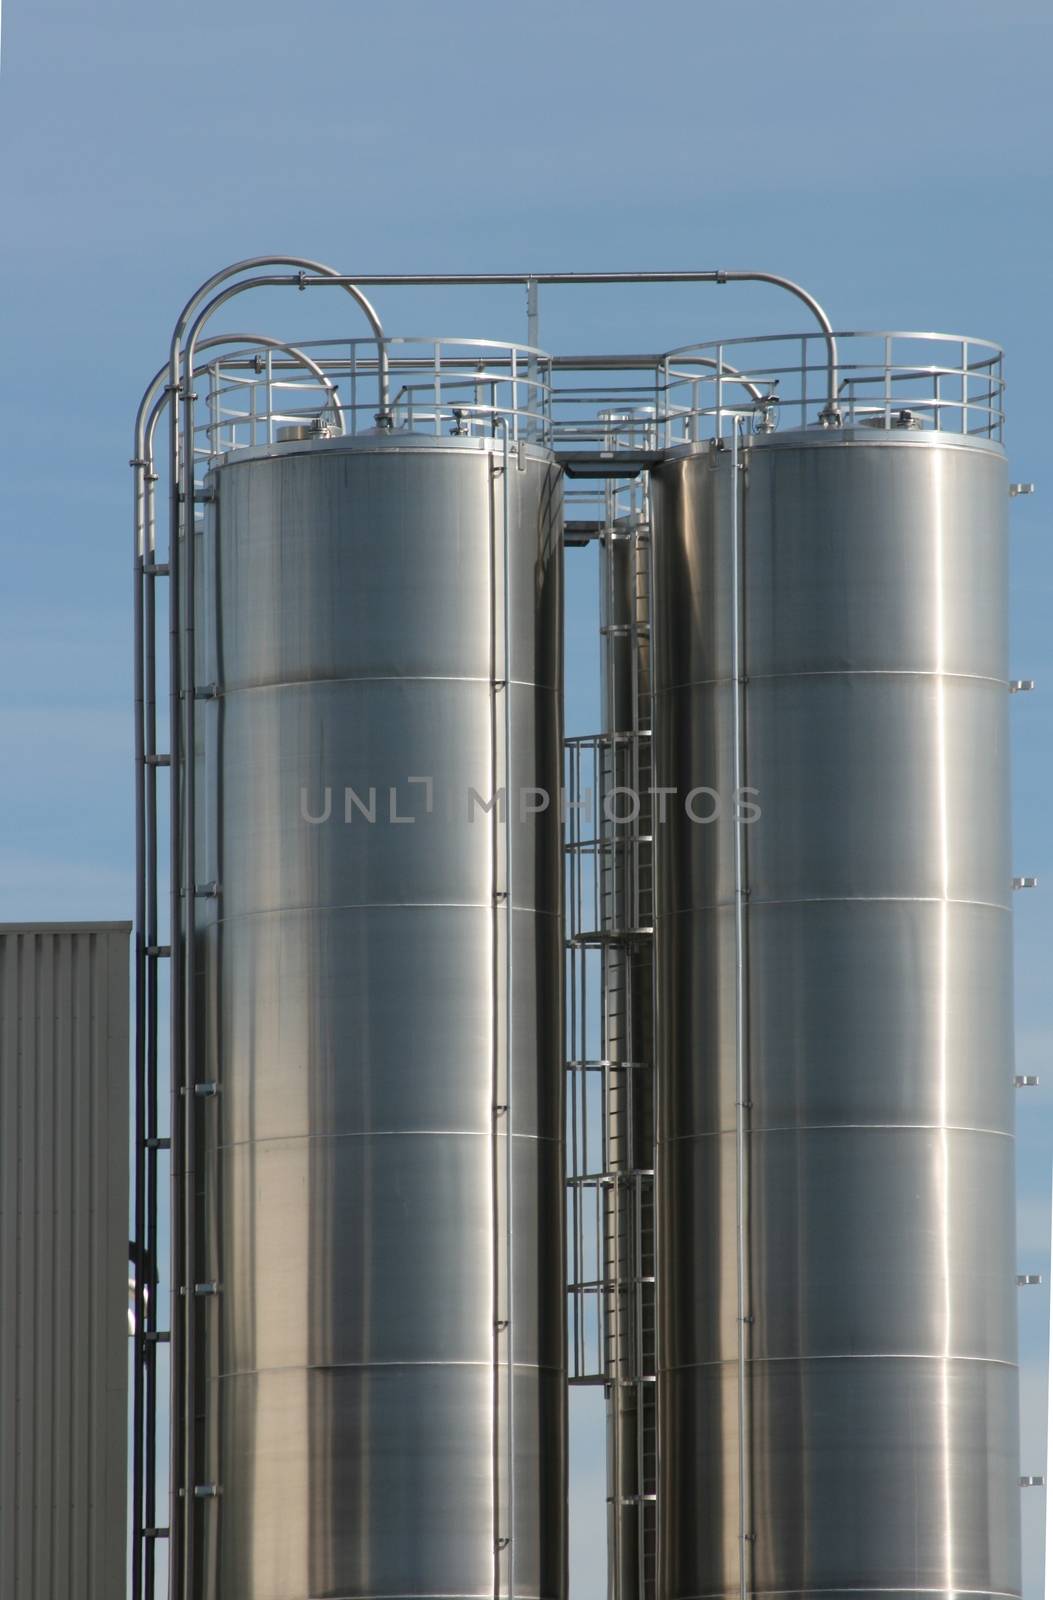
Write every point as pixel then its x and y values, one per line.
pixel 755 393
pixel 156 398
pixel 185 890
pixel 158 392
pixel 288 349
pixel 831 413
pixel 530 280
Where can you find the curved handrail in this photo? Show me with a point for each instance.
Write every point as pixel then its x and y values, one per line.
pixel 147 420
pixel 303 265
pixel 202 304
pixel 830 413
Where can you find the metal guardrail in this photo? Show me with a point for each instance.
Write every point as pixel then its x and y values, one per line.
pixel 948 383
pixel 945 382
pixel 468 387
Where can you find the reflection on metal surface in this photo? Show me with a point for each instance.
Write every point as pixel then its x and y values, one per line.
pixel 351 1002
pixel 880 1451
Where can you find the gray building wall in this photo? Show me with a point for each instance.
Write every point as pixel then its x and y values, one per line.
pixel 64 1141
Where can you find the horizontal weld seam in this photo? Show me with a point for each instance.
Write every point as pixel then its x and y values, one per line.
pixel 381 677
pixel 726 680
pixel 842 1127
pixel 788 1594
pixel 863 1355
pixel 381 1133
pixel 371 905
pixel 484 1364
pixel 840 900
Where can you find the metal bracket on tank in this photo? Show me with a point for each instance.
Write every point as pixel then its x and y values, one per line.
pixel 1032 1481
pixel 1016 489
pixel 1025 1080
pixel 1021 686
pixel 1024 1280
pixel 1025 883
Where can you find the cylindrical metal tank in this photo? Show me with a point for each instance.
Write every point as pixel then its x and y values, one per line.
pixel 358 1013
pixel 848 984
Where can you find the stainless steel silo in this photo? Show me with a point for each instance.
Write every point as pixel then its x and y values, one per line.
pixel 376 1055
pixel 837 1340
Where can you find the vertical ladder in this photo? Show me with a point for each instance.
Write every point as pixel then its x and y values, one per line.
pixel 611 1212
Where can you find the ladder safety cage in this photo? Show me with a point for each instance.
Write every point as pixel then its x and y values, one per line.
pixel 610 1007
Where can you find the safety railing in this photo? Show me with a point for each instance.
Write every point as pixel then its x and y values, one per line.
pixel 466 387
pixel 942 382
pixel 945 382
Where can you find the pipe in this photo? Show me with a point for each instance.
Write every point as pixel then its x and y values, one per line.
pixel 154 400
pixel 151 407
pixel 510 1265
pixel 300 281
pixel 149 1456
pixel 830 413
pixel 502 1108
pixel 741 1023
pixel 184 856
pixel 298 355
pixel 160 400
pixel 139 1341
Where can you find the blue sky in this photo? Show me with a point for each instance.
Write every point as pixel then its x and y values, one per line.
pixel 896 158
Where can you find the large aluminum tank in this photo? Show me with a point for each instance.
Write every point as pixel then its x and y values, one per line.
pixel 879 1381
pixel 354 1014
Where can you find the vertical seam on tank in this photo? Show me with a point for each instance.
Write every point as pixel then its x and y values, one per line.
pixel 738 523
pixel 943 1025
pixel 495 1458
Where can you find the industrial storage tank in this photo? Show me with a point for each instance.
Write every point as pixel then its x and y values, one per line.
pixel 365 651
pixel 837 1335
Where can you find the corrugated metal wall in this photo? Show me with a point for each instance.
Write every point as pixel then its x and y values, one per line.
pixel 64 1142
